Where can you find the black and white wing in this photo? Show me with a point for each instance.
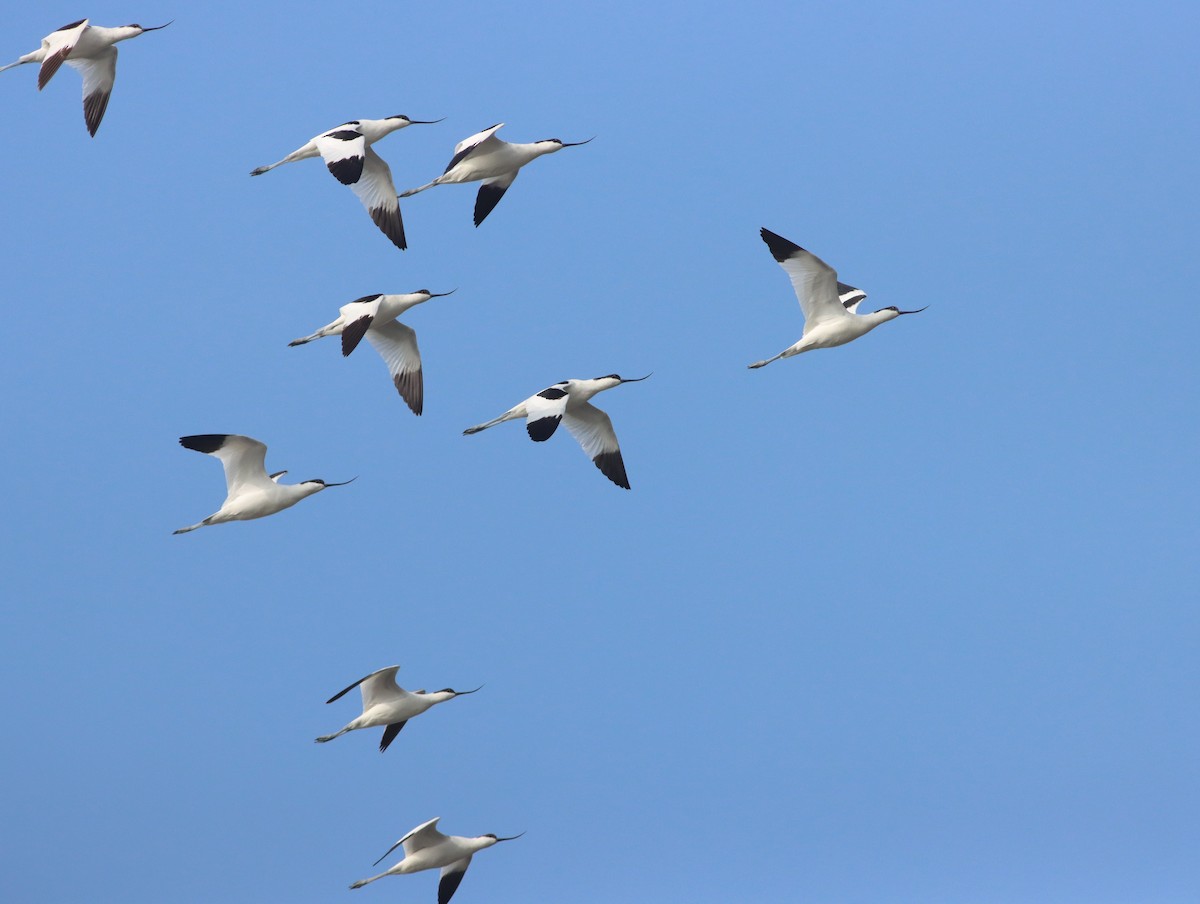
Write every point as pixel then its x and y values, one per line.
pixel 544 412
pixel 479 142
pixel 814 281
pixel 242 457
pixel 594 431
pixel 99 73
pixel 452 875
pixel 58 46
pixel 378 687
pixel 344 151
pixel 389 734
pixel 490 193
pixel 850 297
pixel 397 345
pixel 378 195
pixel 358 316
pixel 423 836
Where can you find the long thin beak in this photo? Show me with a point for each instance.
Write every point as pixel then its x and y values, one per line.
pixel 917 311
pixel 389 850
pixel 575 144
pixel 157 27
pixel 464 693
pixel 639 379
pixel 509 838
pixel 342 484
pixel 425 122
pixel 443 294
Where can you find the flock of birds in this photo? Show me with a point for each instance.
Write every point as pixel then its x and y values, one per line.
pixel 830 310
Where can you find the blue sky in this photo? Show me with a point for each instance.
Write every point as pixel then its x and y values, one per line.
pixel 911 620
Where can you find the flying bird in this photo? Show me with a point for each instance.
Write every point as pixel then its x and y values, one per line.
pixel 427 848
pixel 484 157
pixel 568 402
pixel 91 50
pixel 347 152
pixel 830 307
pixel 386 703
pixel 374 316
pixel 251 492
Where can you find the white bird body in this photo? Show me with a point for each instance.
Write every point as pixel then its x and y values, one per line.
pixel 568 401
pixel 427 848
pixel 829 306
pixel 485 158
pixel 374 316
pixel 386 703
pixel 251 492
pixel 91 50
pixel 348 154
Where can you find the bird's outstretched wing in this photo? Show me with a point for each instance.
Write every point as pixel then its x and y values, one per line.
pixel 99 73
pixel 378 195
pixel 423 836
pixel 242 457
pixel 544 412
pixel 380 686
pixel 490 193
pixel 814 281
pixel 480 141
pixel 850 297
pixel 397 345
pixel 344 150
pixel 594 431
pixel 58 46
pixel 452 875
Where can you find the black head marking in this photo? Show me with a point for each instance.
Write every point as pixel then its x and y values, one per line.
pixel 400 116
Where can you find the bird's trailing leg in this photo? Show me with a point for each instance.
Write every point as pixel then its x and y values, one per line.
pixel 414 191
pixel 330 737
pixel 327 330
pixel 361 882
pixel 19 62
pixel 511 414
pixel 309 150
pixel 768 361
pixel 205 523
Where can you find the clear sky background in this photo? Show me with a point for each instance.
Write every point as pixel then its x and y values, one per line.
pixel 912 620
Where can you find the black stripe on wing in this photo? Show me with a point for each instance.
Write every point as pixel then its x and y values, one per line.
pixel 344 691
pixel 389 222
pixel 457 158
pixel 389 734
pixel 207 443
pixel 543 428
pixel 612 466
pixel 94 106
pixel 411 386
pixel 353 334
pixel 348 170
pixel 51 65
pixel 781 249
pixel 487 199
pixel 449 885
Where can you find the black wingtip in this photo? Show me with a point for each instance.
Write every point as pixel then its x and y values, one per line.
pixel 543 428
pixel 781 249
pixel 348 170
pixel 612 466
pixel 204 442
